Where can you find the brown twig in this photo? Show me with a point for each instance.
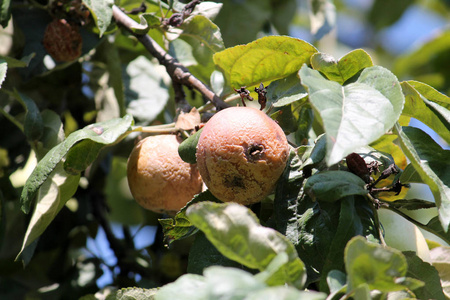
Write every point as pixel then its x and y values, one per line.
pixel 178 72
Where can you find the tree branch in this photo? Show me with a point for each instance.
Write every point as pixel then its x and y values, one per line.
pixel 175 69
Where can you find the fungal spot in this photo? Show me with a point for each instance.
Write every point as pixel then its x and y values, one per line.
pixel 254 152
pixel 233 181
pixel 97 129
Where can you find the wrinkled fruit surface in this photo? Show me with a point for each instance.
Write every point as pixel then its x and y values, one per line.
pixel 241 153
pixel 158 179
pixel 62 40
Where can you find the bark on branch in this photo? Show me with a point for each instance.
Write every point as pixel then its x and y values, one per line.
pixel 175 69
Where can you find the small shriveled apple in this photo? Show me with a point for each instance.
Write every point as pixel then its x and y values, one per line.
pixel 158 178
pixel 241 154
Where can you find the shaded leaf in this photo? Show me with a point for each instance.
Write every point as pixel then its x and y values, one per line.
pixel 106 133
pixel 53 195
pixel 427 274
pixel 147 22
pixel 16 63
pixel 145 92
pixel 413 63
pixel 439 260
pixel 433 165
pixel 203 254
pixel 435 226
pixel 188 148
pixel 101 11
pixel 412 204
pixel 410 175
pixel 5 12
pixel 343 69
pixel 322 17
pixel 285 91
pixel 331 186
pixel 264 60
pixel 384 12
pixel 180 227
pixel 432 114
pixel 356 114
pixel 33 124
pixel 355 218
pixel 234 16
pixel 374 265
pixel 236 233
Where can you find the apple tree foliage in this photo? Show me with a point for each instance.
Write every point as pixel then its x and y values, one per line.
pixel 68 127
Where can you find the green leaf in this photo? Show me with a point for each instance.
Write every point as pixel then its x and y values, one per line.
pixel 355 218
pixel 336 280
pixel 430 287
pixel 316 155
pixel 418 62
pixel 384 12
pixel 410 175
pixel 131 293
pixel 33 124
pixel 188 286
pixel 180 227
pixel 343 69
pixel 435 226
pixel 432 114
pixel 411 204
pixel 188 148
pixel 430 93
pixel 235 231
pixel 16 63
pixel 101 11
pixel 330 186
pixel 53 194
pixel 234 16
pixel 439 258
pixel 81 155
pixel 106 133
pixel 356 114
pixel 145 92
pixel 372 264
pixel 147 22
pixel 264 60
pixel 322 17
pixel 5 12
pixel 204 31
pixel 433 165
pixel 285 91
pixel 203 254
pixel 285 293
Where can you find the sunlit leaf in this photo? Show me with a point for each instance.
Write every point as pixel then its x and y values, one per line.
pixel 145 91
pixel 343 69
pixel 356 114
pixel 52 195
pixel 236 233
pixel 430 112
pixel 429 276
pixel 106 133
pixel 372 264
pixel 433 165
pixel 264 60
pixel 101 11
